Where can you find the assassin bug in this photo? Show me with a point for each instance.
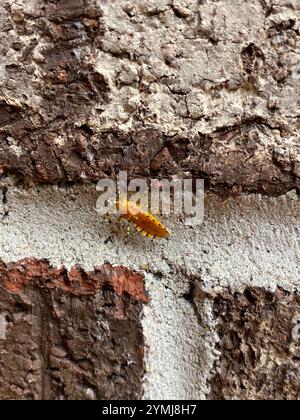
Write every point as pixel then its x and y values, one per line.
pixel 145 222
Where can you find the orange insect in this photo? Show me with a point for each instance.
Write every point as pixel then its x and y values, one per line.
pixel 145 222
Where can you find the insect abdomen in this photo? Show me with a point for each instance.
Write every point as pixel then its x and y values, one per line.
pixel 145 222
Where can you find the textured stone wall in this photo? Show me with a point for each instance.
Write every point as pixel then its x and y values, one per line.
pixel 202 88
pixel 219 311
pixel 210 88
pixel 259 357
pixel 70 335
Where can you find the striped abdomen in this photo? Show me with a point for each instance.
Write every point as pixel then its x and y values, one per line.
pixel 145 222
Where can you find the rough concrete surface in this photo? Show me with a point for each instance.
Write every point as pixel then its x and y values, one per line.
pixel 89 87
pixel 249 240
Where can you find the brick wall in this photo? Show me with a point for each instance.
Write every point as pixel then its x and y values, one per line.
pixel 89 309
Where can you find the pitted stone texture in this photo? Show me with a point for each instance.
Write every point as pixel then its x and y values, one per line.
pixel 71 335
pixel 259 345
pixel 155 87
